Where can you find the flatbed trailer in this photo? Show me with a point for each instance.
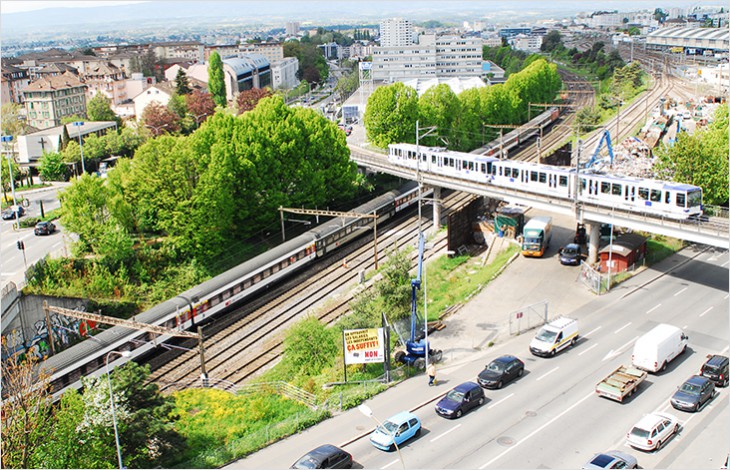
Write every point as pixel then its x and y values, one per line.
pixel 621 383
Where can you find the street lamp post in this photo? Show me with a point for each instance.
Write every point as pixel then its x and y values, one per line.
pixel 156 129
pixel 197 118
pixel 5 140
pixel 111 399
pixel 365 409
pixel 81 146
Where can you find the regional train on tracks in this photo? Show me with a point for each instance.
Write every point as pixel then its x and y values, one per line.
pixel 218 294
pixel 521 134
pixel 650 197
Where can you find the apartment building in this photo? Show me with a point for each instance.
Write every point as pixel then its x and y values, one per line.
pixel 434 56
pixel 181 51
pixel 396 32
pixel 14 79
pixel 284 73
pixel 526 43
pixel 292 28
pixel 51 98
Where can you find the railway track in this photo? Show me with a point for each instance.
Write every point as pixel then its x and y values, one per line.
pixel 251 344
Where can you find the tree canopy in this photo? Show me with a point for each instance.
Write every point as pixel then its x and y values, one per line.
pixel 391 115
pixel 216 80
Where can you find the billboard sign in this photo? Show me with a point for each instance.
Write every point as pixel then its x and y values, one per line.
pixel 364 346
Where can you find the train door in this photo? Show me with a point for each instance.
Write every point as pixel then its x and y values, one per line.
pixel 630 194
pixel 525 176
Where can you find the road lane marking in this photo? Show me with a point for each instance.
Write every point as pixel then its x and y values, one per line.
pixel 685 327
pixel 517 444
pixel 703 313
pixel 547 373
pixel 500 401
pixel 724 349
pixel 725 263
pixel 682 290
pixel 583 352
pixel 391 463
pixel 613 353
pixel 622 328
pixel 592 331
pixel 653 308
pixel 445 433
pixel 726 296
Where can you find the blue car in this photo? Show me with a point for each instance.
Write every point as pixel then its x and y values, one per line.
pixel 396 430
pixel 460 400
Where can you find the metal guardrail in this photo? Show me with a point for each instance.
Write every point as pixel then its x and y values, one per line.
pixel 219 384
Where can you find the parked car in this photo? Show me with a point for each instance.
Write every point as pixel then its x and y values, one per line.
pixel 347 129
pixel 325 456
pixel 396 430
pixel 460 400
pixel 500 371
pixel 716 369
pixel 653 431
pixel 570 254
pixel 693 394
pixel 44 228
pixel 612 459
pixel 9 213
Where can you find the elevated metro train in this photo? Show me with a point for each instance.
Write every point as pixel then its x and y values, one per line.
pixel 220 293
pixel 650 197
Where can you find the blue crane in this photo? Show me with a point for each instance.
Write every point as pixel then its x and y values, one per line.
pixel 416 346
pixel 605 137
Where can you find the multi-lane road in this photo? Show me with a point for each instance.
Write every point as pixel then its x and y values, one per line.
pixel 551 417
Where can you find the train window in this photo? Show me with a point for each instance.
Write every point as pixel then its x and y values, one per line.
pixel 656 195
pixel 515 173
pixel 257 278
pixel 215 301
pixel 681 200
pixel 605 187
pixel 450 162
pixel 616 189
pixel 247 283
pixel 533 176
pixel 226 294
pixel 276 268
pixel 583 184
pixel 433 159
pixel 643 193
pixel 237 288
pixel 667 197
pixel 543 177
pixel 563 181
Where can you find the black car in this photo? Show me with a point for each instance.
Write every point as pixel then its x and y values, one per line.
pixel 325 456
pixel 570 254
pixel 9 213
pixel 460 400
pixel 693 394
pixel 716 369
pixel 500 371
pixel 44 228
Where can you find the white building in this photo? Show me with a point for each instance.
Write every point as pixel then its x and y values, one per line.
pixel 159 93
pixel 526 43
pixel 396 32
pixel 292 28
pixel 443 56
pixel 284 73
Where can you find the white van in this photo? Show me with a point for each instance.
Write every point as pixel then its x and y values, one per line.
pixel 655 349
pixel 554 337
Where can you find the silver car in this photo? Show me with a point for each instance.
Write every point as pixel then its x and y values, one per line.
pixel 612 459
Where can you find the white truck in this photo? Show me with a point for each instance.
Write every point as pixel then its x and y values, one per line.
pixel 621 383
pixel 657 348
pixel 554 337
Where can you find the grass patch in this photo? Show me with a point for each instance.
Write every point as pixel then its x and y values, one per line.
pixel 660 248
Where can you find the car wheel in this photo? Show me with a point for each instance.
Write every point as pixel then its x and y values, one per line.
pixel 658 445
pixel 676 428
pixel 552 353
pixel 418 432
pixel 420 364
pixel 522 371
pixel 391 448
pixel 499 384
pixel 481 401
pixel 573 341
pixel 459 413
pixel 664 366
pixel 697 407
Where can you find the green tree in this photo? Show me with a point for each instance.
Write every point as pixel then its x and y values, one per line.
pixel 216 80
pixel 178 105
pixel 438 107
pixel 65 448
pixel 84 212
pixel 52 167
pixel 391 115
pixel 299 355
pixel 700 159
pixel 99 108
pixel 182 87
pixel 588 118
pixel 5 172
pixel 552 40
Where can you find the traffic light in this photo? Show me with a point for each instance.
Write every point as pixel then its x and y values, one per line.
pixel 21 245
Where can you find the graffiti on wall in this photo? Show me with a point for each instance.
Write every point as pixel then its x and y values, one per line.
pixel 66 332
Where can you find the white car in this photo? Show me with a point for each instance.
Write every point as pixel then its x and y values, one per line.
pixel 653 431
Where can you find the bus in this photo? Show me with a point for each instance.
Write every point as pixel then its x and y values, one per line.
pixel 536 236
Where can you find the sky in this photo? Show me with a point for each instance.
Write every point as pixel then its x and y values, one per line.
pixel 15 6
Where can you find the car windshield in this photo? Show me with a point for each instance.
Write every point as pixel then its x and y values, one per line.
pixel 496 367
pixel 710 368
pixel 546 335
pixel 638 432
pixel 455 396
pixel 691 389
pixel 570 250
pixel 602 460
pixel 388 427
pixel 307 462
